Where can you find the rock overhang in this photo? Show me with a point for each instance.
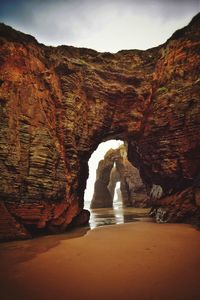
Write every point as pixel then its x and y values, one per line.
pixel 58 104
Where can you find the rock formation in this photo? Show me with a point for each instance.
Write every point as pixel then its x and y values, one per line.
pixel 102 196
pixel 58 103
pixel 113 168
pixel 114 178
pixel 132 188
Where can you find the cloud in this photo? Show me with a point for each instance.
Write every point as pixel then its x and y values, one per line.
pixel 103 25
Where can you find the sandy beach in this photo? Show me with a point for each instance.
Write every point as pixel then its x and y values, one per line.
pixel 140 260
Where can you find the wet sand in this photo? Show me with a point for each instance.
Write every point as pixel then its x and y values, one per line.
pixel 121 215
pixel 140 260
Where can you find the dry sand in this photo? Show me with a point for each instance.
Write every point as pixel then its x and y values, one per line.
pixel 138 261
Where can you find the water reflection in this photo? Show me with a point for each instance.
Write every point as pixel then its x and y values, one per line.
pixel 119 217
pixel 111 216
pixel 20 251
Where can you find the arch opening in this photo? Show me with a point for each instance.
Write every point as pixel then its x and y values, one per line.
pixel 93 162
pixel 117 198
pixel 115 192
pixel 113 181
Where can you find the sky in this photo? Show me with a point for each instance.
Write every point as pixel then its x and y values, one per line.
pixel 103 25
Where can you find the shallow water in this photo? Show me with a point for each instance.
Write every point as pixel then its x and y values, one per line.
pixel 112 216
pixel 28 249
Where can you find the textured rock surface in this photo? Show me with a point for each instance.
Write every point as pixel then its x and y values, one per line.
pixel 168 148
pixel 102 196
pixel 9 228
pixel 114 178
pixel 114 168
pixel 58 104
pixel 132 188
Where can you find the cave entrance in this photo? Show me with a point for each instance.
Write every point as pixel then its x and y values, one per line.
pixel 93 163
pixel 114 189
pixel 113 181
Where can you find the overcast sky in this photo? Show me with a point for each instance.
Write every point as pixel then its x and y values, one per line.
pixel 103 25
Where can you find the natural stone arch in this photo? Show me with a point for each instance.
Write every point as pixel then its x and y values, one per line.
pixel 114 178
pixel 114 168
pixel 58 104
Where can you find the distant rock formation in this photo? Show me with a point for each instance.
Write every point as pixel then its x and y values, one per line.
pixel 114 178
pixel 113 168
pixel 102 196
pixel 57 104
pixel 132 188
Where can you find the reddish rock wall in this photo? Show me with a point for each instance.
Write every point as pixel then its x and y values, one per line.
pixel 168 148
pixel 58 104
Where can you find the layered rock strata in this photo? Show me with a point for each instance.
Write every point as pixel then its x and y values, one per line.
pixel 57 105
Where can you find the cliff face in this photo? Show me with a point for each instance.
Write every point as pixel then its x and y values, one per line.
pixel 58 104
pixel 168 149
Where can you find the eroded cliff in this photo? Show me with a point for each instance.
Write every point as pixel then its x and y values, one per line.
pixel 58 104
